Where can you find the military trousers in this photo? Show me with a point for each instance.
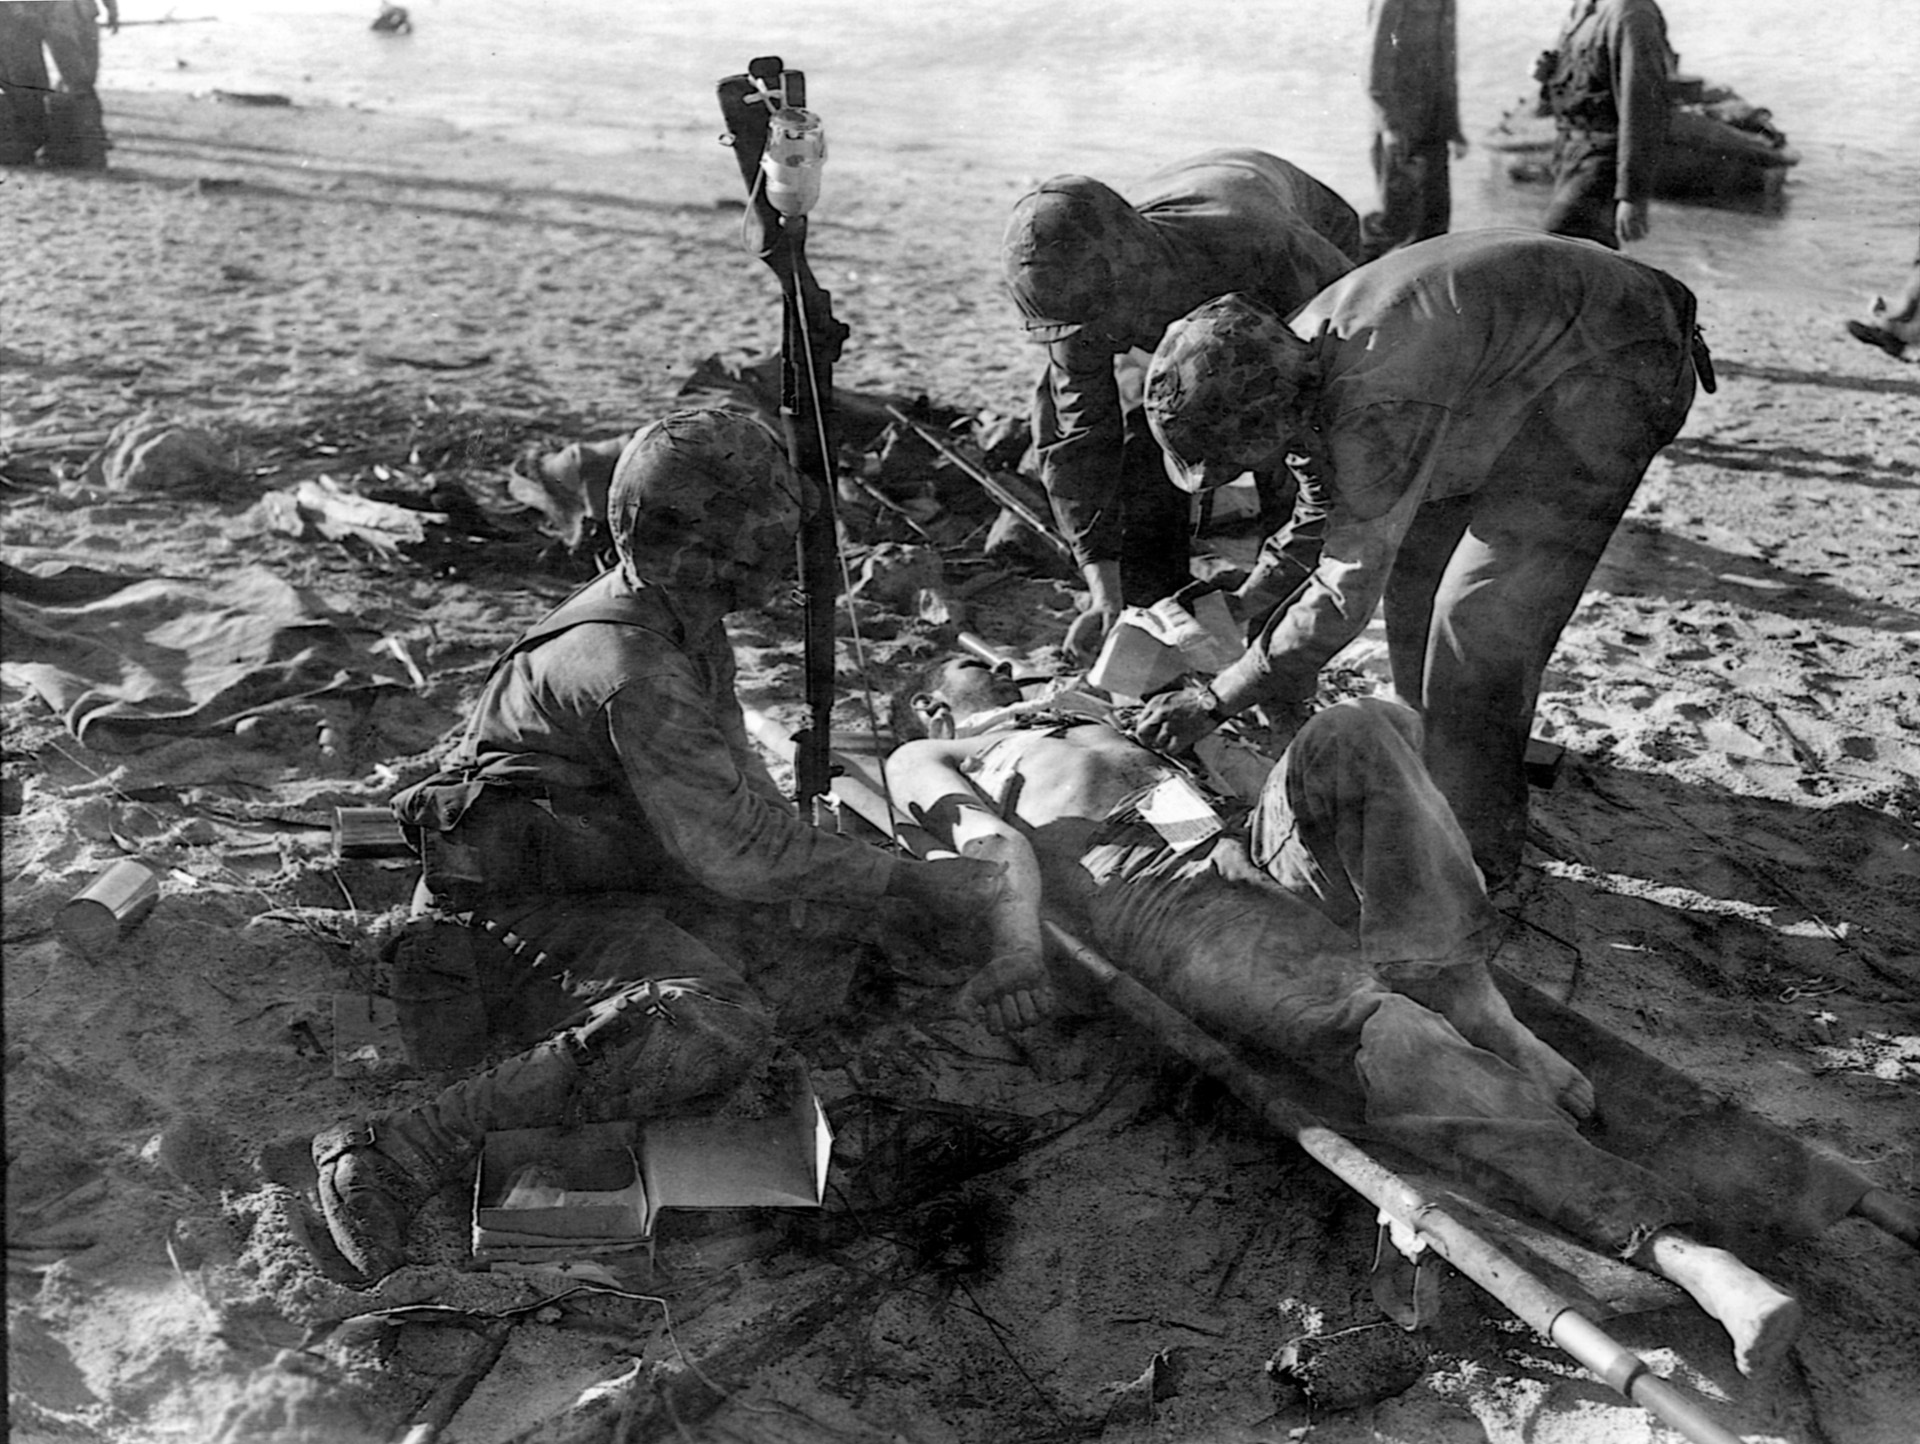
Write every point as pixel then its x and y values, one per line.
pixel 1484 583
pixel 1585 172
pixel 1283 938
pixel 1414 192
pixel 64 123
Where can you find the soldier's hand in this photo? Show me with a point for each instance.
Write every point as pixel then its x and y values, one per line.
pixel 1631 221
pixel 947 884
pixel 1013 991
pixel 1088 634
pixel 1174 721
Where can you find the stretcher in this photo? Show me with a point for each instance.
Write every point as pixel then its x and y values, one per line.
pixel 1552 1283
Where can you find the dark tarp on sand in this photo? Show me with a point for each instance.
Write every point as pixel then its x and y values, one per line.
pixel 126 660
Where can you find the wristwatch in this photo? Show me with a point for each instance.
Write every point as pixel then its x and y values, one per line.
pixel 1210 701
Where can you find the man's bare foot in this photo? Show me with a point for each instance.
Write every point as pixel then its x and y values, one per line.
pixel 1464 993
pixel 1761 1319
pixel 1565 1084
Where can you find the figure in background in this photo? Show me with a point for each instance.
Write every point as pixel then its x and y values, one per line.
pixel 1340 926
pixel 62 125
pixel 1606 86
pixel 1472 414
pixel 603 838
pixel 1097 277
pixel 1412 82
pixel 1895 325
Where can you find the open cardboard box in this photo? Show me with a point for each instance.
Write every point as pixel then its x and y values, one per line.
pixel 550 1193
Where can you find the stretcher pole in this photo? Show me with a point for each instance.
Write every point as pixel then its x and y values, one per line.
pixel 1532 1299
pixel 1528 1296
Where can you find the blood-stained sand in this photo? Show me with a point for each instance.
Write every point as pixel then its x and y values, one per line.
pixel 1725 870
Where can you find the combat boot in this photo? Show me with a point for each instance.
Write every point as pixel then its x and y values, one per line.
pixel 376 1174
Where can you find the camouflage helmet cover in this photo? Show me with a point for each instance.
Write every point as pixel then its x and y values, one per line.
pixel 704 498
pixel 1067 244
pixel 1215 388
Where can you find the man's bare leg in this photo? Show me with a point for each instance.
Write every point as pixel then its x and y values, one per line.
pixel 1760 1318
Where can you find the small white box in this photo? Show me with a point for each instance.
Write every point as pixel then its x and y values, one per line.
pixel 548 1193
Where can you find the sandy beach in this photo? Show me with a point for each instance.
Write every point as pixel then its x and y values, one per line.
pixel 1725 869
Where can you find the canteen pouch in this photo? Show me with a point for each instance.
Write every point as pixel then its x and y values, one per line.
pixel 477 840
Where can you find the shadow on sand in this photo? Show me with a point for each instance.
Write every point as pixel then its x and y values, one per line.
pixel 1644 560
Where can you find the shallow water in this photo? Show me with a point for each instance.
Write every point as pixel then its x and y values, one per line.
pixel 1112 88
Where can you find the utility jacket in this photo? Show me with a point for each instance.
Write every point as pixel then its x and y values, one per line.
pixel 1607 87
pixel 1228 220
pixel 612 715
pixel 1430 360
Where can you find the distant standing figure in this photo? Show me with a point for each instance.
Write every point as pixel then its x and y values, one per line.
pixel 61 125
pixel 393 20
pixel 1606 87
pixel 1413 85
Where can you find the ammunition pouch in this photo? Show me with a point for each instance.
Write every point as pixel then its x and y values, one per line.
pixel 1576 89
pixel 483 840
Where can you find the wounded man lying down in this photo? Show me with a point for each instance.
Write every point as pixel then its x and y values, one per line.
pixel 1340 923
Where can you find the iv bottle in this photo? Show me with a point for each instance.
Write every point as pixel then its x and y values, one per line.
pixel 790 165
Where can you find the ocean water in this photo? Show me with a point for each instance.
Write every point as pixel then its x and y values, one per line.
pixel 1111 88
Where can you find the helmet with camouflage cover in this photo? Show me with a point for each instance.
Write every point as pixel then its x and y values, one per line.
pixel 1068 247
pixel 1219 389
pixel 706 499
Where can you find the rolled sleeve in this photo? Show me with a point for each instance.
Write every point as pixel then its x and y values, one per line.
pixel 714 816
pixel 1379 467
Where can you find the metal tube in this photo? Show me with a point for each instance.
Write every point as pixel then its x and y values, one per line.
pixel 102 912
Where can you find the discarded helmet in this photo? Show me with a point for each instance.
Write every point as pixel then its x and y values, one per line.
pixel 1067 244
pixel 705 498
pixel 1216 388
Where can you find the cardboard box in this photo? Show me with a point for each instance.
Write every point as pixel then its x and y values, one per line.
pixel 1149 647
pixel 551 1193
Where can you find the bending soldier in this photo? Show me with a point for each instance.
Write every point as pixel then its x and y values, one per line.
pixel 1096 277
pixel 1473 413
pixel 604 819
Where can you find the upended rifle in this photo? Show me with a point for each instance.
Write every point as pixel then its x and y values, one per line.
pixel 779 146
